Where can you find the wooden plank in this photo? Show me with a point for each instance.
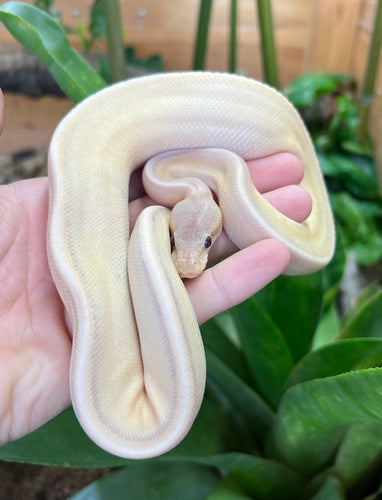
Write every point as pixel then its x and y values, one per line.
pixel 362 44
pixel 334 25
pixel 358 60
pixel 375 129
pixel 311 35
pixel 29 123
pixel 168 28
pixel 291 14
pixel 366 16
pixel 291 45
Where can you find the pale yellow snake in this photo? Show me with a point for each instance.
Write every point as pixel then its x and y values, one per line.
pixel 137 394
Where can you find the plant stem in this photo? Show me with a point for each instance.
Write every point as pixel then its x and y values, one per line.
pixel 202 34
pixel 264 8
pixel 114 40
pixel 233 37
pixel 367 92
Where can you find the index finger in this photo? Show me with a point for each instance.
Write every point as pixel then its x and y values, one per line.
pixel 237 278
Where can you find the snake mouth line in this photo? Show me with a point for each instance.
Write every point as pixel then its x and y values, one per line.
pixel 188 268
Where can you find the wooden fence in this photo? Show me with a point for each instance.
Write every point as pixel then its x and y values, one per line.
pixel 311 35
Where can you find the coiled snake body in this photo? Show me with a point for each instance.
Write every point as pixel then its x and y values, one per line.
pixel 137 390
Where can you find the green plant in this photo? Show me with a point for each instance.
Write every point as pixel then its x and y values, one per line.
pixel 96 28
pixel 268 53
pixel 96 31
pixel 367 92
pixel 202 34
pixel 264 8
pixel 114 39
pixel 47 6
pixel 327 104
pixel 293 397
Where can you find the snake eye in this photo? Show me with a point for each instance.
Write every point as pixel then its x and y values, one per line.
pixel 207 242
pixel 172 242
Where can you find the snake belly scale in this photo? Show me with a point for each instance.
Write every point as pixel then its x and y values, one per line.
pixel 138 365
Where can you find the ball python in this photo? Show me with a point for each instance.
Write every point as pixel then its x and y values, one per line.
pixel 138 366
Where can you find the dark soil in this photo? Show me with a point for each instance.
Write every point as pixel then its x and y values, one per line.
pixel 38 482
pixel 23 165
pixel 29 82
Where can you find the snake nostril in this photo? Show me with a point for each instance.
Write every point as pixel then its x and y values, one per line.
pixel 188 267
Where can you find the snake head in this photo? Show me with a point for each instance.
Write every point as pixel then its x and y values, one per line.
pixel 195 223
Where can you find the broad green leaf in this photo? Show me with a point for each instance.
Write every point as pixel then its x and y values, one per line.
pixel 215 339
pixel 47 6
pixel 367 294
pixel 42 35
pixel 304 91
pixel 366 319
pixel 226 491
pixel 62 441
pixel 356 179
pixel 97 26
pixel 333 272
pixel 234 431
pixel 243 475
pixel 265 350
pixel 368 252
pixel 359 221
pixel 294 305
pixel 344 122
pixel 237 433
pixel 214 431
pixel 152 64
pixel 348 212
pixel 255 413
pixel 260 478
pixel 336 358
pixel 226 323
pixel 328 328
pixel 330 490
pixel 356 148
pixel 358 453
pixel 154 480
pixel 313 416
pixel 341 79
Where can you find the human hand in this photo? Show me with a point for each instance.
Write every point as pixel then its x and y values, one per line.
pixel 35 341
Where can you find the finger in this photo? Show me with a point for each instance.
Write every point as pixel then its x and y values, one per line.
pixel 292 201
pixel 269 175
pixel 275 171
pixel 237 278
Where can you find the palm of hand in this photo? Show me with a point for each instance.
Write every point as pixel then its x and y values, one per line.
pixel 35 343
